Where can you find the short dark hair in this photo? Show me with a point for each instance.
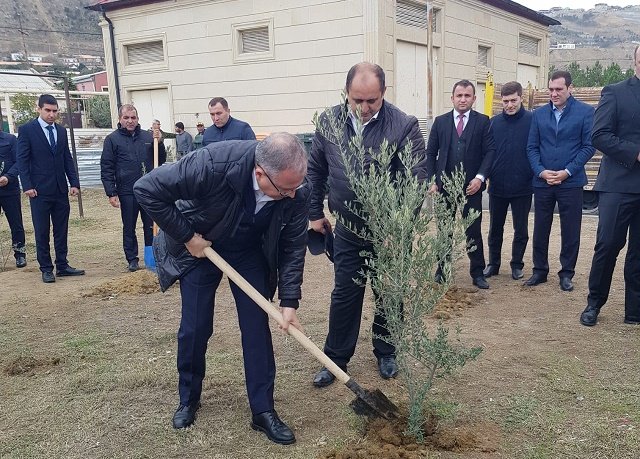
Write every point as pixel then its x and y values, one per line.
pixel 375 69
pixel 180 125
pixel 561 74
pixel 47 99
pixel 464 84
pixel 510 88
pixel 219 100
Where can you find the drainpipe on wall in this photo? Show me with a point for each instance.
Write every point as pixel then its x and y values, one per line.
pixel 113 58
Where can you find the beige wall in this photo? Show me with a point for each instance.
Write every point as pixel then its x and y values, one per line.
pixel 470 23
pixel 315 43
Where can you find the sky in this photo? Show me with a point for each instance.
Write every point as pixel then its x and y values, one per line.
pixel 586 4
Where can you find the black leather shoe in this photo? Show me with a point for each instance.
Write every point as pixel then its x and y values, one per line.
pixel 133 265
pixel 631 321
pixel 324 377
pixel 566 285
pixel 491 270
pixel 480 282
pixel 272 426
pixel 589 316
pixel 69 271
pixel 536 279
pixel 388 367
pixel 439 277
pixel 185 415
pixel 516 274
pixel 48 277
pixel 21 261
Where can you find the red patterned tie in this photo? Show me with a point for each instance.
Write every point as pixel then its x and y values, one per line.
pixel 460 126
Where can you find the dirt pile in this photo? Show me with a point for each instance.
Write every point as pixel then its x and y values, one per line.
pixel 454 302
pixel 386 440
pixel 137 283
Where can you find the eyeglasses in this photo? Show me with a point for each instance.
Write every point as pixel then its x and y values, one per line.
pixel 283 193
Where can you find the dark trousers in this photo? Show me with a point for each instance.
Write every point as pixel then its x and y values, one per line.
pixel 474 236
pixel 12 208
pixel 46 211
pixel 129 210
pixel 198 288
pixel 569 202
pixel 619 214
pixel 520 208
pixel 345 312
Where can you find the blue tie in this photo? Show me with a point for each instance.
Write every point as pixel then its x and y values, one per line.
pixel 52 139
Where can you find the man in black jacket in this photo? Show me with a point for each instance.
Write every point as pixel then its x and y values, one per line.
pixel 510 180
pixel 249 201
pixel 10 195
pixel 616 133
pixel 127 155
pixel 365 88
pixel 462 137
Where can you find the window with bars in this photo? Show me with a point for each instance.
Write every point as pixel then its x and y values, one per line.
pixel 483 56
pixel 144 53
pixel 254 40
pixel 529 45
pixel 412 14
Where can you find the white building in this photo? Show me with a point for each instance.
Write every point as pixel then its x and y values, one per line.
pixel 277 63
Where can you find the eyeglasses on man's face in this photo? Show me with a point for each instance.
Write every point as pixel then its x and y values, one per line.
pixel 282 191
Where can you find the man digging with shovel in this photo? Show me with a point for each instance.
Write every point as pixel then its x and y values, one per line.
pixel 249 201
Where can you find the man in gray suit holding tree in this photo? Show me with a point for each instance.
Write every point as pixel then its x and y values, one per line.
pixel 616 133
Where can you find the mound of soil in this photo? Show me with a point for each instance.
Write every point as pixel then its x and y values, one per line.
pixel 386 440
pixel 454 302
pixel 26 365
pixel 136 283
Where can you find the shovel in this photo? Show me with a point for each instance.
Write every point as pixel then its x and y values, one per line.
pixel 149 259
pixel 368 403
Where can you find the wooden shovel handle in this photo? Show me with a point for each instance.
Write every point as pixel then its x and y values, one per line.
pixel 156 160
pixel 275 314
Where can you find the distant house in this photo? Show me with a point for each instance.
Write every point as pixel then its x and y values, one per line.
pixel 278 63
pixel 92 82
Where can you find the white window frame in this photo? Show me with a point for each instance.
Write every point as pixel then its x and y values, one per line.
pixel 236 37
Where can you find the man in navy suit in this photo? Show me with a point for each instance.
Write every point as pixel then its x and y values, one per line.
pixel 559 146
pixel 10 195
pixel 616 133
pixel 462 137
pixel 45 164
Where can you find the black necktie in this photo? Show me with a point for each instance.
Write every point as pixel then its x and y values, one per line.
pixel 52 139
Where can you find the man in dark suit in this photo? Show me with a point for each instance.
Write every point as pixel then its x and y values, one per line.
pixel 616 132
pixel 462 137
pixel 10 195
pixel 249 200
pixel 45 164
pixel 559 146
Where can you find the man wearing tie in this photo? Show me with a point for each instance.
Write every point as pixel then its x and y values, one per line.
pixel 462 137
pixel 45 164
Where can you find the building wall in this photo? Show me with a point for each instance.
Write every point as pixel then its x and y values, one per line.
pixel 468 24
pixel 315 42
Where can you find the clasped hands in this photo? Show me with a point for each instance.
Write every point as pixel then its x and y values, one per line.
pixel 554 177
pixel 473 187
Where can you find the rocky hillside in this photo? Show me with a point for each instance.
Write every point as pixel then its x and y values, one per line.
pixel 49 26
pixel 606 33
